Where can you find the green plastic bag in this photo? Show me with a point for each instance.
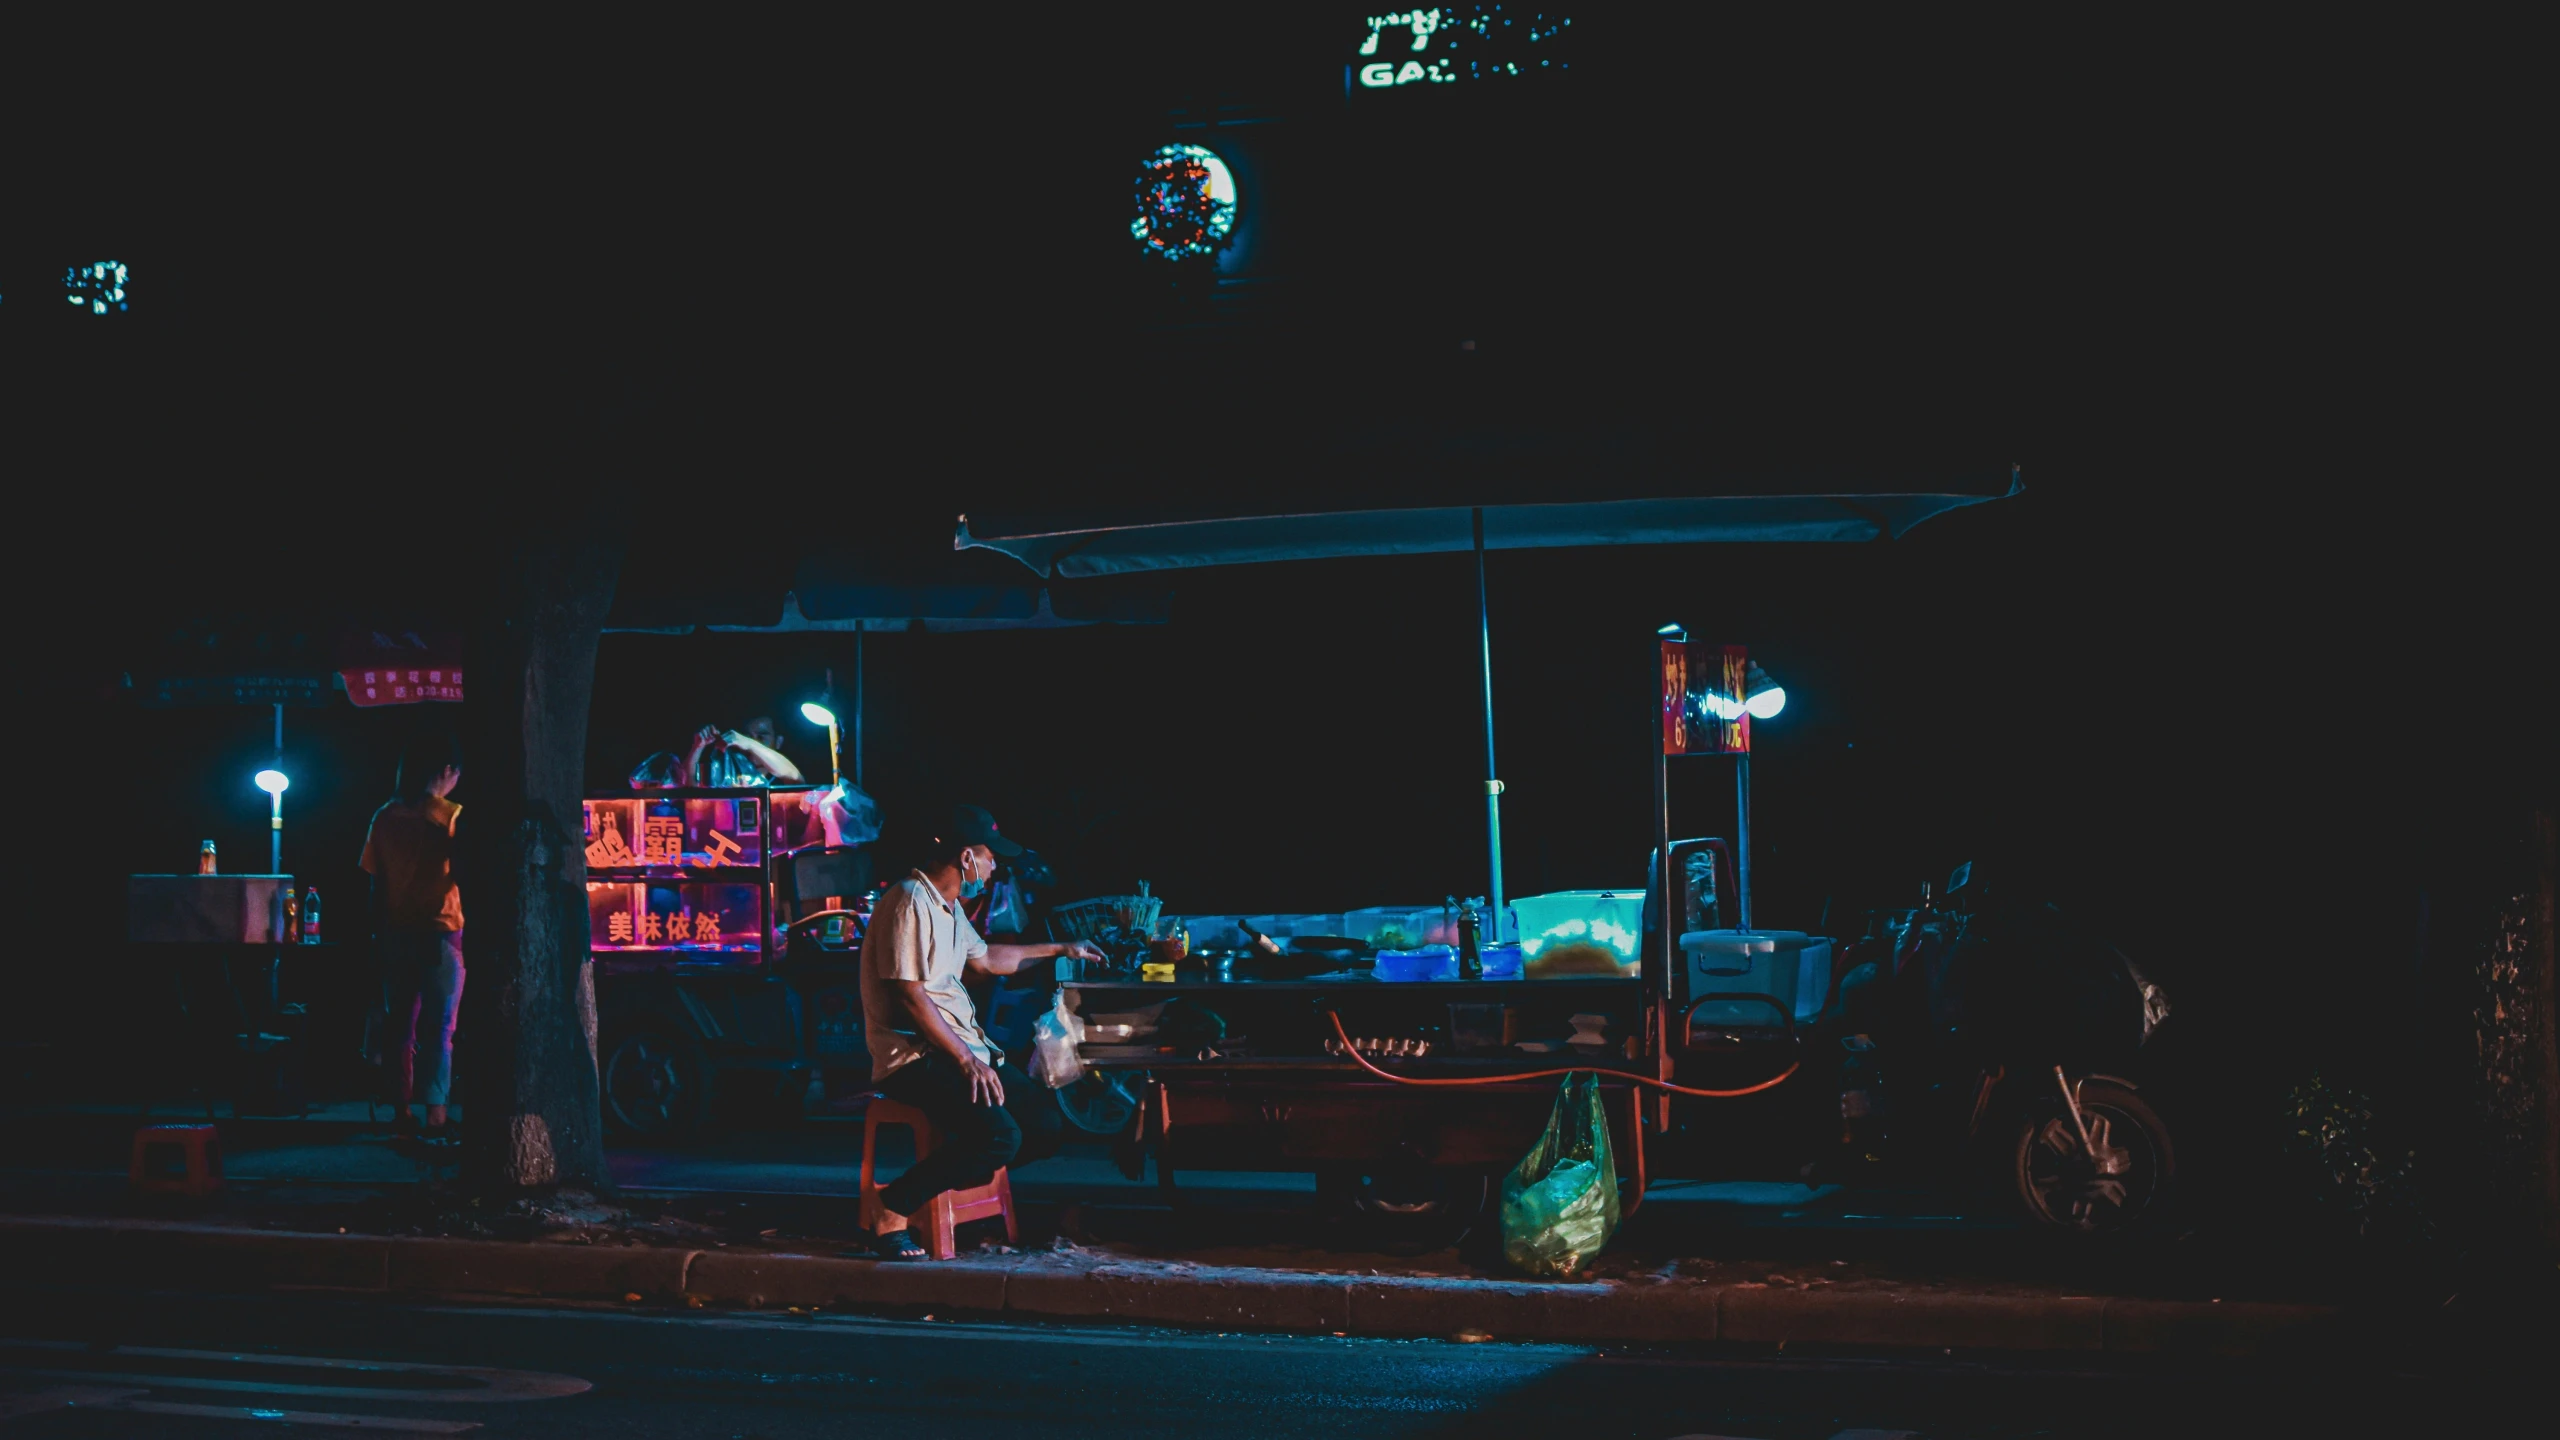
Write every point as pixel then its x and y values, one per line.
pixel 1560 1203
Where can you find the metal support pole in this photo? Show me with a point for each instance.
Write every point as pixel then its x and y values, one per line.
pixel 275 817
pixel 1492 786
pixel 1670 948
pixel 1668 989
pixel 857 705
pixel 1742 835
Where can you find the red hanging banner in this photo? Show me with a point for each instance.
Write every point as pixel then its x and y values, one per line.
pixel 406 685
pixel 392 666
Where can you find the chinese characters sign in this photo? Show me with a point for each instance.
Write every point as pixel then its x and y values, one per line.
pixel 379 685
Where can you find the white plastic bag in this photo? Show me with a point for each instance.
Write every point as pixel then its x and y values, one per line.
pixel 1054 1038
pixel 848 816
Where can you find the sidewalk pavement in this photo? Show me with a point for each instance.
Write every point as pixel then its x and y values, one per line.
pixel 1076 1283
pixel 760 1219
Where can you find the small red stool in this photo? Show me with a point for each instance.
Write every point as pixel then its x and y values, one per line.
pixel 944 1213
pixel 177 1160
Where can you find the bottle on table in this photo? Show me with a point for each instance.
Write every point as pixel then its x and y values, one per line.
pixel 204 859
pixel 311 916
pixel 292 917
pixel 1470 951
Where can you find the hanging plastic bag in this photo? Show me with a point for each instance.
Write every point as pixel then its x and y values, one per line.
pixel 847 815
pixel 1560 1203
pixel 1054 1038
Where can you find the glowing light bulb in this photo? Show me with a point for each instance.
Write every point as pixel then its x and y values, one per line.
pixel 817 714
pixel 1767 703
pixel 272 781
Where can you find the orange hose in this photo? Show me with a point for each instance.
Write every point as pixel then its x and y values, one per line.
pixel 1363 1061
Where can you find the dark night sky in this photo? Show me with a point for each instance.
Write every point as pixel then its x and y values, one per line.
pixel 2257 632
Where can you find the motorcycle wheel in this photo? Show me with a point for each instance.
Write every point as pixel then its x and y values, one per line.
pixel 2063 1190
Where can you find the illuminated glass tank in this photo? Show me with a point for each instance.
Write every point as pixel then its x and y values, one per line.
pixel 1186 200
pixel 1612 920
pixel 684 876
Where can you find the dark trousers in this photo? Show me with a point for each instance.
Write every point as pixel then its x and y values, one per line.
pixel 422 998
pixel 970 1140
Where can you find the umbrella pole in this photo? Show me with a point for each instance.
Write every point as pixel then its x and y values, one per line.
pixel 857 704
pixel 1742 839
pixel 1492 786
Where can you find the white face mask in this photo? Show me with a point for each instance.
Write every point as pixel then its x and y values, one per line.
pixel 971 886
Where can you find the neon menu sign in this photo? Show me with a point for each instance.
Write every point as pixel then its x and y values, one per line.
pixel 1446 44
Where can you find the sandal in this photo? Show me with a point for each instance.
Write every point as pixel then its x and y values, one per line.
pixel 896 1245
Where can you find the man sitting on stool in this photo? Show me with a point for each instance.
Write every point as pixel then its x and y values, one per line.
pixel 927 1049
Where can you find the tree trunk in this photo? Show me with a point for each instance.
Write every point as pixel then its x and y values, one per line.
pixel 2517 1019
pixel 532 1116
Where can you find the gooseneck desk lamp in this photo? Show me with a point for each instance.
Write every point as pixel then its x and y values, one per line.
pixel 817 714
pixel 274 783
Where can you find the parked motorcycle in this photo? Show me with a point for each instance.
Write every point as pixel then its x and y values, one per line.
pixel 1996 1031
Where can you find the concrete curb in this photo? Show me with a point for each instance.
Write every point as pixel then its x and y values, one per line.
pixel 167 1254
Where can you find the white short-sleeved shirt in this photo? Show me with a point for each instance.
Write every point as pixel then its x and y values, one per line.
pixel 914 935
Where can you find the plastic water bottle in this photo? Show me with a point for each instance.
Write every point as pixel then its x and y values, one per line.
pixel 311 916
pixel 204 859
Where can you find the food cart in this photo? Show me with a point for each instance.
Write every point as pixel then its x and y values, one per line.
pixel 1398 1093
pixel 1304 1048
pixel 706 989
pixel 1359 1047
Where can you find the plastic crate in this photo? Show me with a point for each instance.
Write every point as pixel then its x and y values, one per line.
pixel 1283 927
pixel 1364 924
pixel 1208 932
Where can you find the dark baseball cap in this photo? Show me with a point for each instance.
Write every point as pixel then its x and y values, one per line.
pixel 973 826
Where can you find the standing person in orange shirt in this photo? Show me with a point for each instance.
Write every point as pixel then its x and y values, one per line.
pixel 417 917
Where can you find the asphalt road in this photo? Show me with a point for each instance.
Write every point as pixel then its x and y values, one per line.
pixel 195 1367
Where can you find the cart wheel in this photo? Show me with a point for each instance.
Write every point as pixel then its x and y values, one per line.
pixel 655 1083
pixel 2064 1190
pixel 1420 1204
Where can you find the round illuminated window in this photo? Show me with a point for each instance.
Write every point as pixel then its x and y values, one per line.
pixel 98 288
pixel 1186 203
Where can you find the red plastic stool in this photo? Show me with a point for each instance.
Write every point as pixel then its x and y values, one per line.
pixel 944 1213
pixel 177 1160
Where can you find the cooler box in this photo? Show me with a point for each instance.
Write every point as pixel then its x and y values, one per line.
pixel 1611 919
pixel 1788 965
pixel 205 909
